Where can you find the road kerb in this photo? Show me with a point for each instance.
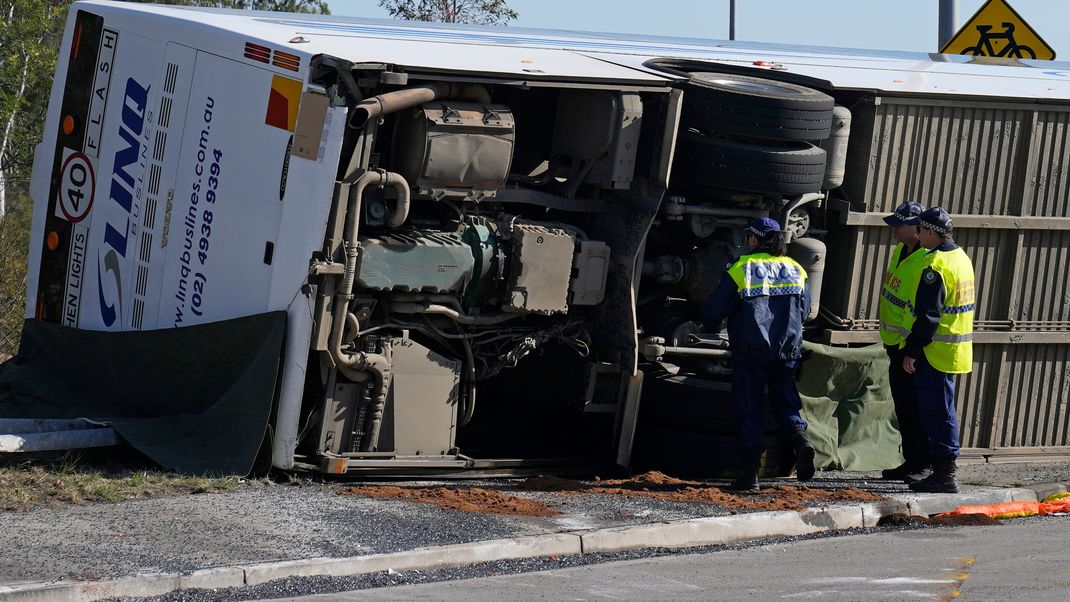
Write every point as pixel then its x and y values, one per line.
pixel 698 532
pixel 834 517
pixel 213 578
pixel 873 512
pixel 935 503
pixel 561 544
pixel 1043 490
pixel 137 586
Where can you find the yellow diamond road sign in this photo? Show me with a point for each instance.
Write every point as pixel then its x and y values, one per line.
pixel 998 30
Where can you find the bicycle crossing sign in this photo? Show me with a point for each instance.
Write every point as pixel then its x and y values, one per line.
pixel 998 30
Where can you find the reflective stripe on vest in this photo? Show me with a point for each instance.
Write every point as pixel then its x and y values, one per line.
pixel 953 338
pixel 952 349
pixel 764 274
pixel 896 303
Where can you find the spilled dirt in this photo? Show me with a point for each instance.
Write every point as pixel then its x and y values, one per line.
pixel 660 486
pixel 471 499
pixel 959 520
pixel 653 485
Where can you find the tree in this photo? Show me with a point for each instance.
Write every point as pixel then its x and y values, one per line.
pixel 29 36
pixel 479 12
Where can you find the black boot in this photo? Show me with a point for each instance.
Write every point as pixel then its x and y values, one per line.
pixel 746 481
pixel 804 455
pixel 942 479
pixel 908 472
pixel 897 473
pixel 917 474
pixel 748 473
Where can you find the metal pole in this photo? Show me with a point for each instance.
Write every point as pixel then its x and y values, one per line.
pixel 731 19
pixel 948 22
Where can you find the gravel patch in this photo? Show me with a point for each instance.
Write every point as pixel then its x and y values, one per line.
pixel 260 523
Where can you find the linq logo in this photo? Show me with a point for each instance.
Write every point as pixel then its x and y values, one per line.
pixel 117 232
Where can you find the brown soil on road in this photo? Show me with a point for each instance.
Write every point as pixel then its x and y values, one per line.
pixel 466 500
pixel 663 487
pixel 955 520
pixel 653 485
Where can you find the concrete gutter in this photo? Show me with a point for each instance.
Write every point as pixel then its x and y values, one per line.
pixel 671 534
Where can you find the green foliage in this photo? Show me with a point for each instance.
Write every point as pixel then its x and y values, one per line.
pixel 14 243
pixel 30 32
pixel 479 12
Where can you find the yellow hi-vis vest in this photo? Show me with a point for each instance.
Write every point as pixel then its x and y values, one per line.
pixel 764 274
pixel 897 294
pixel 951 350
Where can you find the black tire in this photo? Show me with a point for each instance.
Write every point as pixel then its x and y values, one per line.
pixel 690 403
pixel 788 168
pixel 756 107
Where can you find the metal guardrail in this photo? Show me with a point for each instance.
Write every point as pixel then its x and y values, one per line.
pixel 30 435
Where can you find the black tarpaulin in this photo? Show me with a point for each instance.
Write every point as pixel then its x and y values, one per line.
pixel 196 399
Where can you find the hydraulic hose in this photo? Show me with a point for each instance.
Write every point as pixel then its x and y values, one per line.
pixel 453 314
pixel 361 366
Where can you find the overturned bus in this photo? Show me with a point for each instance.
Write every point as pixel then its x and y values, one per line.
pixel 487 245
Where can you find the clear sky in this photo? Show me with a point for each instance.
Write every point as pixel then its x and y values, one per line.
pixel 887 25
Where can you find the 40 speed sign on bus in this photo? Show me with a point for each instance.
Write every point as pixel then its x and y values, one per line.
pixel 997 30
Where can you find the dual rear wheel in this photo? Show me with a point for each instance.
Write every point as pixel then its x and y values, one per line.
pixel 752 134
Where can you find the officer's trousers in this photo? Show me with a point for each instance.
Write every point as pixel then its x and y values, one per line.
pixel 936 400
pixel 907 412
pixel 751 375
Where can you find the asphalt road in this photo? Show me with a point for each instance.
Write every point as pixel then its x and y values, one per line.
pixel 1022 559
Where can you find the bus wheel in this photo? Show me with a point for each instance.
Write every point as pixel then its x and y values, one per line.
pixel 755 107
pixel 786 168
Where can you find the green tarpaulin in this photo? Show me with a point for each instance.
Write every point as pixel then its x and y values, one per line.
pixel 848 404
pixel 196 400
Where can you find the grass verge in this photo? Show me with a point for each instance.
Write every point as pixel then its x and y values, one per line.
pixel 70 479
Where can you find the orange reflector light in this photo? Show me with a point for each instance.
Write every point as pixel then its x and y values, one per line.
pixel 53 241
pixel 77 40
pixel 336 466
pixel 68 125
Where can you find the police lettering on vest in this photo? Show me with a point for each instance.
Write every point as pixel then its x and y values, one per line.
pixel 897 294
pixel 765 274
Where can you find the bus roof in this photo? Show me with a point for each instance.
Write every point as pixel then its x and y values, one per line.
pixel 535 54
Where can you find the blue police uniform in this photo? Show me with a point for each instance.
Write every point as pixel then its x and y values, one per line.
pixel 897 296
pixel 765 300
pixel 935 389
pixel 940 343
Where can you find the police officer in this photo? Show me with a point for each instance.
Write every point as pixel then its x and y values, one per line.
pixel 940 344
pixel 896 302
pixel 765 300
